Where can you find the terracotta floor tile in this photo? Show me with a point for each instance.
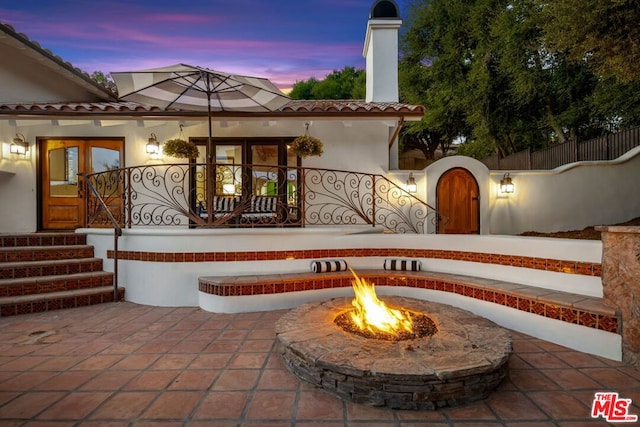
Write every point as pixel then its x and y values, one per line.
pixel 97 363
pixel 121 348
pixel 546 360
pixel 224 346
pixel 258 334
pixel 222 405
pixel 28 405
pixel 257 346
pixel 278 379
pixel 68 380
pixel 194 380
pixel 560 405
pixel 272 405
pixel 610 378
pixel 109 380
pixel 318 405
pixel 472 411
pixel 173 361
pixel 74 406
pixel 26 381
pixel 357 412
pixel 211 361
pixel 151 380
pixel 514 406
pixel 570 379
pixel 59 363
pixel 531 380
pixel 248 360
pixel 125 406
pixel 236 379
pixel 188 346
pixel 23 363
pixel 136 362
pixel 173 405
pixel 580 360
pixel 159 346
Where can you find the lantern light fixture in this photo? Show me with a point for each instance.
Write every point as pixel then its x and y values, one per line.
pixel 412 187
pixel 153 146
pixel 19 146
pixel 506 185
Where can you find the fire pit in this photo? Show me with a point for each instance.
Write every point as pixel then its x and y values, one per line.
pixel 453 358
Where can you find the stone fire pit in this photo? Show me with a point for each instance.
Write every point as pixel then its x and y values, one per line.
pixel 463 362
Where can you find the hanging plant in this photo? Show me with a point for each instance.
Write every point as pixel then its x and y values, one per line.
pixel 180 148
pixel 307 145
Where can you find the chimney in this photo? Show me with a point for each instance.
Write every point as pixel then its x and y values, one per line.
pixel 381 52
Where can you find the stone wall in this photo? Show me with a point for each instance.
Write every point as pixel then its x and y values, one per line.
pixel 621 284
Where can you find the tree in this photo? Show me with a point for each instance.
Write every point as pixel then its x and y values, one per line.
pixel 486 72
pixel 347 83
pixel 105 80
pixel 603 33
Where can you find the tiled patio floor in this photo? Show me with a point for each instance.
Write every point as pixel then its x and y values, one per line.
pixel 129 365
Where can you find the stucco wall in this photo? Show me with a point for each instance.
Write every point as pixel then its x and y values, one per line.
pixel 348 145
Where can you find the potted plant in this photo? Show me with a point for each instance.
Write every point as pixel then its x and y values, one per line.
pixel 307 145
pixel 180 148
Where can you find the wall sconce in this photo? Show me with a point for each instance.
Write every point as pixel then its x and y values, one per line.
pixel 412 187
pixel 506 186
pixel 19 146
pixel 153 146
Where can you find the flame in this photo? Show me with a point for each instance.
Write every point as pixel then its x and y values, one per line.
pixel 372 314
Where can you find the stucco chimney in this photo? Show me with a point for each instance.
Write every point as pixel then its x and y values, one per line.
pixel 381 52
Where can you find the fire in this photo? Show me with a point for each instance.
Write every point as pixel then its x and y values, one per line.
pixel 372 314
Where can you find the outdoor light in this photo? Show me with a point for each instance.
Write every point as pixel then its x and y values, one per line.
pixel 228 189
pixel 506 186
pixel 153 146
pixel 412 187
pixel 19 145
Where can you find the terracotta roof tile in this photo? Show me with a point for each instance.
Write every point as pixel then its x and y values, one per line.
pixel 292 108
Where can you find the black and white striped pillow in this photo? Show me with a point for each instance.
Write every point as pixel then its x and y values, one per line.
pixel 225 203
pixel 402 264
pixel 329 265
pixel 263 203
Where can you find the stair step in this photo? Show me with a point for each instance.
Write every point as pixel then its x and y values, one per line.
pixel 16 270
pixel 42 239
pixel 44 253
pixel 49 284
pixel 10 306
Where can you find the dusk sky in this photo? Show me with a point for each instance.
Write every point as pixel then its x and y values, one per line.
pixel 283 40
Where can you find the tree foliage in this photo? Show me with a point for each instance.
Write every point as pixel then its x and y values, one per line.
pixel 348 83
pixel 494 74
pixel 105 80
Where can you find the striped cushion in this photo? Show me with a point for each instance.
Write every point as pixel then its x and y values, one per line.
pixel 328 265
pixel 226 203
pixel 263 203
pixel 402 264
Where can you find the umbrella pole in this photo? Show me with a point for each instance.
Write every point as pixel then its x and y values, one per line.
pixel 210 167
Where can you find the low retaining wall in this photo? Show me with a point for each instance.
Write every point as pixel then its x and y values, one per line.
pixel 161 267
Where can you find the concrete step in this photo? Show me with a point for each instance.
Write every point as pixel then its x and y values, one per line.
pixel 25 304
pixel 44 253
pixel 17 270
pixel 48 284
pixel 42 239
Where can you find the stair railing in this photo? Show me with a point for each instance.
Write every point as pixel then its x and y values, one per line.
pixel 117 230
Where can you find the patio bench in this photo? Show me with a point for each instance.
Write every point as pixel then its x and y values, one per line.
pixel 568 307
pixel 257 206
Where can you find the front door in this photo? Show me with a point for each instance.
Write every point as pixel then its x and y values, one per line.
pixel 458 203
pixel 62 204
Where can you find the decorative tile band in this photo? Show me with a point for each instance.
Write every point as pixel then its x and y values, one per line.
pixel 547 264
pixel 586 314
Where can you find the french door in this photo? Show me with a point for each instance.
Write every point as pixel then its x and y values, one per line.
pixel 62 204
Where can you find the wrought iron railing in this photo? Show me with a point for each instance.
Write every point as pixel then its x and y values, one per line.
pixel 102 209
pixel 252 196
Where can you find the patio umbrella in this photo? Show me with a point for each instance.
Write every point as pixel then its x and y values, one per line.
pixel 190 87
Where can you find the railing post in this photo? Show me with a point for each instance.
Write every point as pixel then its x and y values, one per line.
pixel 373 201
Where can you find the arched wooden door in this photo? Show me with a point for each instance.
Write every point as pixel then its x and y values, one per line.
pixel 458 202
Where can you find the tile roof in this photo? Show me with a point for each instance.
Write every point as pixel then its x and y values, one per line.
pixel 69 67
pixel 294 108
